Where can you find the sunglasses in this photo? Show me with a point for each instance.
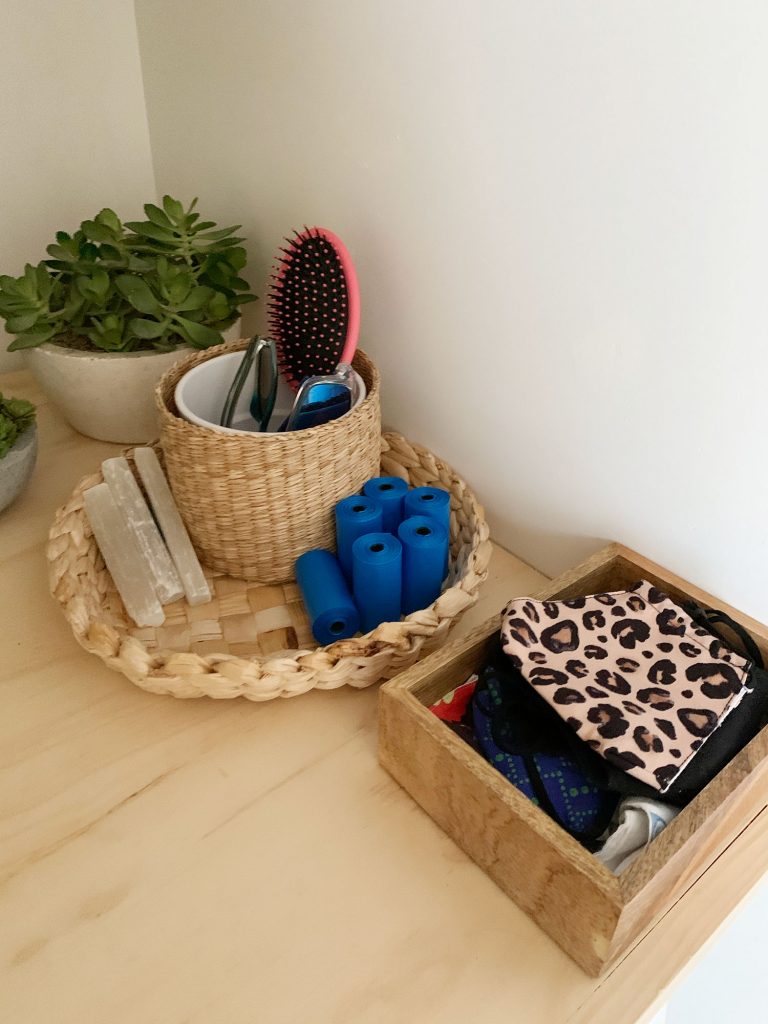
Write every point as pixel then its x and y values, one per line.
pixel 261 353
pixel 322 399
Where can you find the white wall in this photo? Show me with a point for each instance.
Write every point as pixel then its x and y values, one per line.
pixel 74 126
pixel 559 213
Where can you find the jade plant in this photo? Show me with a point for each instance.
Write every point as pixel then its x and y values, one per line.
pixel 16 416
pixel 170 280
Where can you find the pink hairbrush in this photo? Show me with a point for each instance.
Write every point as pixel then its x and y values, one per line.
pixel 314 306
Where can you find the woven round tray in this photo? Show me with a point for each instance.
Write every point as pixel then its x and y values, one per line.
pixel 253 640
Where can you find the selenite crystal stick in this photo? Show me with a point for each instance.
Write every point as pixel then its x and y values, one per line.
pixel 175 532
pixel 120 549
pixel 127 493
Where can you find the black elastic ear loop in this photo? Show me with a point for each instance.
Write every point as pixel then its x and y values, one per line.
pixel 717 617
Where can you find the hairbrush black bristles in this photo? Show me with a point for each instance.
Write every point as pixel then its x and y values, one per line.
pixel 313 305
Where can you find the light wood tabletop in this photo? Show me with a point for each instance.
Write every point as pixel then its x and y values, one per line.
pixel 166 861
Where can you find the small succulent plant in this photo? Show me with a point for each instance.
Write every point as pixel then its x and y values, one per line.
pixel 16 416
pixel 170 280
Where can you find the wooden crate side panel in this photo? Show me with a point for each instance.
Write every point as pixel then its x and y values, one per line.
pixel 655 897
pixel 449 667
pixel 426 677
pixel 489 776
pixel 569 895
pixel 702 830
pixel 592 576
pixel 420 685
pixel 629 989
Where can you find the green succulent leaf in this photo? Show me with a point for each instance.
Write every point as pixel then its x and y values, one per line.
pixel 138 264
pixel 110 219
pixel 89 252
pixel 197 297
pixel 19 324
pixel 198 334
pixel 44 283
pixel 8 434
pixel 157 216
pixel 173 208
pixel 30 339
pixel 148 329
pixel 95 287
pixel 217 273
pixel 170 280
pixel 97 232
pixel 215 246
pixel 59 252
pixel 138 293
pixel 19 410
pixel 219 306
pixel 215 236
pixel 236 258
pixel 113 258
pixel 110 340
pixel 179 288
pixel 73 308
pixel 150 230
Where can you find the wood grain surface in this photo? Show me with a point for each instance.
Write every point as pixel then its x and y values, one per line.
pixel 202 862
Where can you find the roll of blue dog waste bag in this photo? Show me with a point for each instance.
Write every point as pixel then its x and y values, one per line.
pixel 425 543
pixel 389 491
pixel 355 515
pixel 435 503
pixel 326 595
pixel 377 570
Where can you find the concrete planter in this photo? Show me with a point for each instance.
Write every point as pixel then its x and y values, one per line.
pixel 16 468
pixel 106 395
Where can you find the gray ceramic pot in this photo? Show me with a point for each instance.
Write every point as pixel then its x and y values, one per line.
pixel 16 468
pixel 106 395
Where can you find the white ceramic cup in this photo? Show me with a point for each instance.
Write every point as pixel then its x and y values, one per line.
pixel 202 391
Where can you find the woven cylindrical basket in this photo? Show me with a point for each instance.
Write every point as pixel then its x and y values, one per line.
pixel 253 640
pixel 253 504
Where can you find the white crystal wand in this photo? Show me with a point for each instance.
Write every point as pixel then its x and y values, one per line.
pixel 120 550
pixel 127 493
pixel 176 537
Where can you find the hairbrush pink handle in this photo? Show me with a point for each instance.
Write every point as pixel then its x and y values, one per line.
pixel 353 293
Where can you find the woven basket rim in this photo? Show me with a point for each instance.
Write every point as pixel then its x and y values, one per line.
pixel 166 404
pixel 360 661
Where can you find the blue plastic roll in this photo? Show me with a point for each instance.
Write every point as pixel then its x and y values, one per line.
pixel 435 503
pixel 425 543
pixel 355 515
pixel 389 491
pixel 378 572
pixel 326 595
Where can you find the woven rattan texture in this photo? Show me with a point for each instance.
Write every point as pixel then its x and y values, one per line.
pixel 253 640
pixel 253 504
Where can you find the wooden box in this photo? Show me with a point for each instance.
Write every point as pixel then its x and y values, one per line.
pixel 593 915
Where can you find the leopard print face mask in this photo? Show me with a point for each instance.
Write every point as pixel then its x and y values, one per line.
pixel 631 672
